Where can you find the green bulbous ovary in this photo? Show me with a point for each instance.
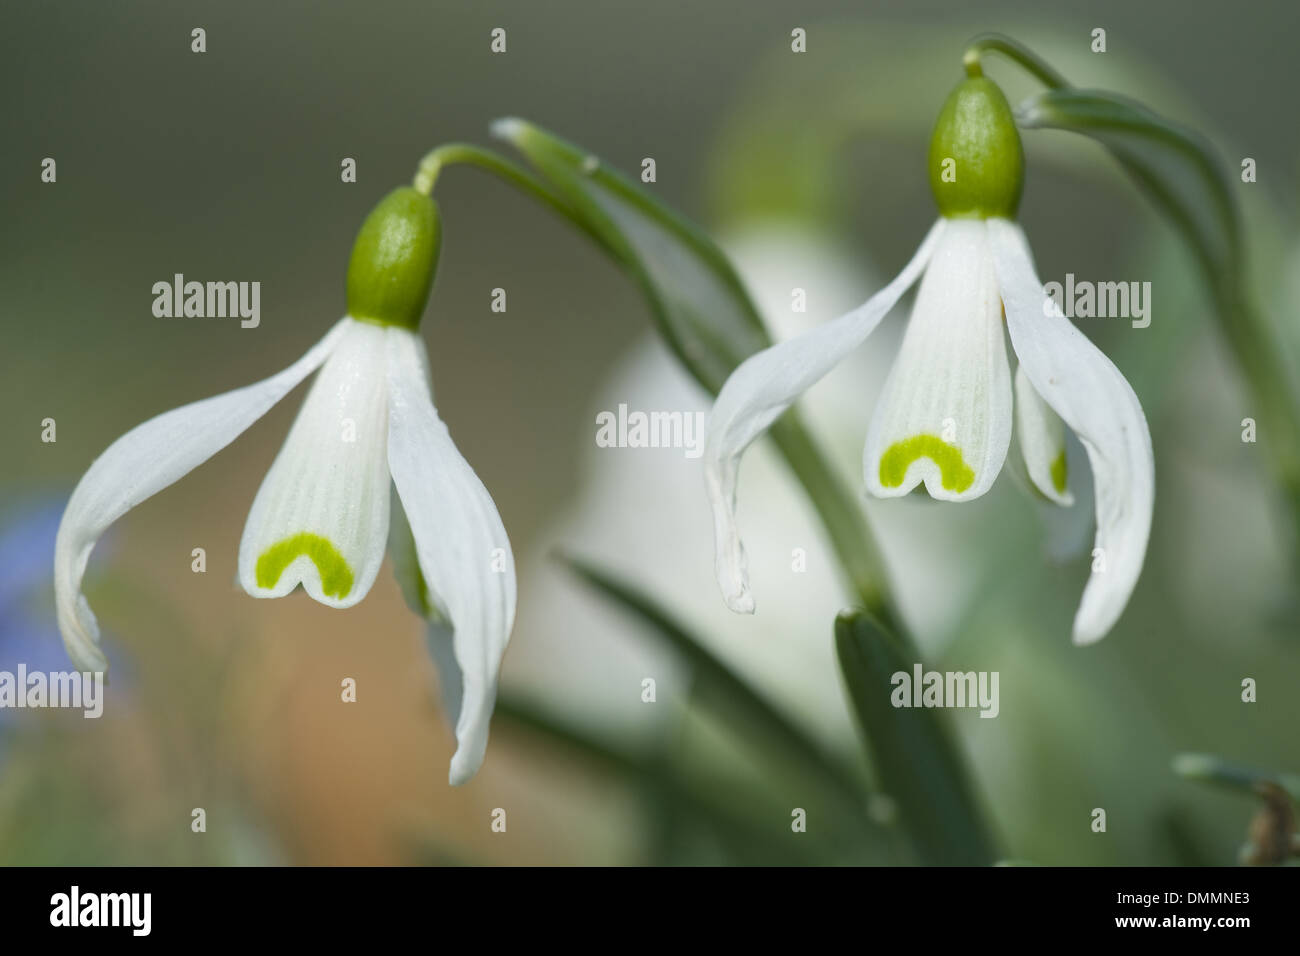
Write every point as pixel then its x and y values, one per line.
pixel 977 165
pixel 394 260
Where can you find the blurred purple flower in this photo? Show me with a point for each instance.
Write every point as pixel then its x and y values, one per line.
pixel 29 632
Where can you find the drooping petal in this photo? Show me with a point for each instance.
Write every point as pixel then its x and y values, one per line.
pixel 944 416
pixel 760 390
pixel 140 464
pixel 320 518
pixel 460 542
pixel 1086 389
pixel 1041 434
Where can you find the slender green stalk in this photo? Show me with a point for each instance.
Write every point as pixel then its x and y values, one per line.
pixel 450 154
pixel 1014 51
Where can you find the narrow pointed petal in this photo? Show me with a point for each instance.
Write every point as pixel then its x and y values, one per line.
pixel 1041 434
pixel 320 518
pixel 944 417
pixel 460 542
pixel 1086 389
pixel 140 464
pixel 761 389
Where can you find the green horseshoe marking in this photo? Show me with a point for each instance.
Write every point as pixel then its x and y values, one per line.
pixel 335 575
pixel 956 474
pixel 1059 472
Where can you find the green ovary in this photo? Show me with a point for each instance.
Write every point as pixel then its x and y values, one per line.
pixel 335 575
pixel 955 473
pixel 1059 472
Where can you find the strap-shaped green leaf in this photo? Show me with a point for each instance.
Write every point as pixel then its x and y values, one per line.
pixel 910 748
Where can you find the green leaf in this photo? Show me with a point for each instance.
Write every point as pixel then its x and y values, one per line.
pixel 727 816
pixel 916 761
pixel 698 300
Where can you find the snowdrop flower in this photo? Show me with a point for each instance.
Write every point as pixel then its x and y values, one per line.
pixel 946 413
pixel 321 516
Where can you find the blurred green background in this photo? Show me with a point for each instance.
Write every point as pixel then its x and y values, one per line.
pixel 225 166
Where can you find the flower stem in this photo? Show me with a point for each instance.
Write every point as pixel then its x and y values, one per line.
pixel 427 173
pixel 1014 51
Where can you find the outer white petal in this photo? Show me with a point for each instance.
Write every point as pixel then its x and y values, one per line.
pixel 141 463
pixel 945 414
pixel 320 518
pixel 464 554
pixel 1088 391
pixel 1041 434
pixel 764 386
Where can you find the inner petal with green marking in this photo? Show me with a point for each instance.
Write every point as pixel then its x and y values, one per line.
pixel 956 475
pixel 1059 472
pixel 335 575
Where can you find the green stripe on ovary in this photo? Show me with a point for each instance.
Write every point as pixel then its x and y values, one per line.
pixel 335 575
pixel 956 474
pixel 1059 472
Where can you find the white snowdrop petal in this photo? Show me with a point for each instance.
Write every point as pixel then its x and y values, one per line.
pixel 461 547
pixel 944 417
pixel 320 518
pixel 141 463
pixel 1086 389
pixel 761 389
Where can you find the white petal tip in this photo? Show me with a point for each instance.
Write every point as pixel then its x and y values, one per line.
pixel 89 660
pixel 80 633
pixel 730 566
pixel 741 602
pixel 462 769
pixel 1083 637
